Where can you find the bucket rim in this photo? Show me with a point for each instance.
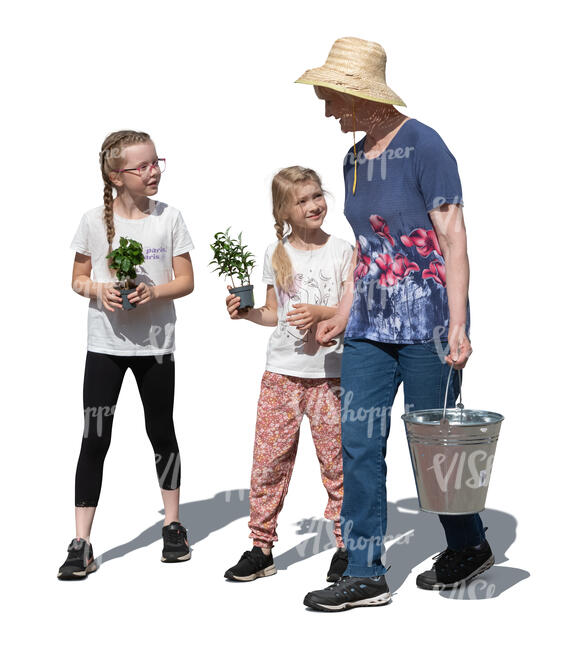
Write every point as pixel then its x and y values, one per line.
pixel 412 417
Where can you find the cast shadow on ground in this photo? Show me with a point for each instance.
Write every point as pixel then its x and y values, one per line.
pixel 201 518
pixel 413 537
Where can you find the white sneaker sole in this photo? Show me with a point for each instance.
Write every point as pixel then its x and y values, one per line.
pixel 79 574
pixel 376 601
pixel 178 559
pixel 268 571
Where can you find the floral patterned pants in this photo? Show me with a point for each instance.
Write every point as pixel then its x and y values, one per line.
pixel 283 400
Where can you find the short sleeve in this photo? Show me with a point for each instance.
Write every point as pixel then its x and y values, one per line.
pixel 79 242
pixel 437 173
pixel 346 261
pixel 268 274
pixel 181 239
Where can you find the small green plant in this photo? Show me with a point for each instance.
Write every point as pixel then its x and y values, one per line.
pixel 231 258
pixel 124 259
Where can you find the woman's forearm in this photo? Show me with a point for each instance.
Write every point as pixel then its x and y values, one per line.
pixel 457 281
pixel 325 312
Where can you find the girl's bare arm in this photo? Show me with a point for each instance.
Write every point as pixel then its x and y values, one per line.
pixel 182 284
pixel 266 315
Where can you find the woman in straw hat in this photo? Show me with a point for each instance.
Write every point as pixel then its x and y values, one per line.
pixel 408 318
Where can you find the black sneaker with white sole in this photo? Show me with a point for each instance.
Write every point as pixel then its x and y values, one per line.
pixel 338 565
pixel 80 561
pixel 349 592
pixel 175 544
pixel 454 568
pixel 252 564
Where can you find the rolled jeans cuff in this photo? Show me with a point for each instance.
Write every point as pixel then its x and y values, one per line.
pixel 364 571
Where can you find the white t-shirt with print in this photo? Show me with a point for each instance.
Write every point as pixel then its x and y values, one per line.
pixel 150 328
pixel 318 277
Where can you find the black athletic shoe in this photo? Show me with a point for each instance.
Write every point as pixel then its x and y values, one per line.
pixel 80 561
pixel 453 568
pixel 175 544
pixel 350 592
pixel 252 564
pixel 338 565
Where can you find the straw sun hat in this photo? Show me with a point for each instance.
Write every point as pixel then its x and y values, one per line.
pixel 356 67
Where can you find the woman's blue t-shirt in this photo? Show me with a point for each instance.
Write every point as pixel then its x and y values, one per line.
pixel 400 279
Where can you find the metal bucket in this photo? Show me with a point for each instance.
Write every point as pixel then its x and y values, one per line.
pixel 452 453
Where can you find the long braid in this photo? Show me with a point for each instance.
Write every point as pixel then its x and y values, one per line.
pixel 280 259
pixel 110 157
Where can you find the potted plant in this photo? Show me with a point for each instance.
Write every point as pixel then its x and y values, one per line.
pixel 232 259
pixel 123 260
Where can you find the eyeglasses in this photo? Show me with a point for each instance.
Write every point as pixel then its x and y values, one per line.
pixel 145 169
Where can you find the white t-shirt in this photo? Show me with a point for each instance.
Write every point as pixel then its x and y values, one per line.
pixel 150 328
pixel 318 277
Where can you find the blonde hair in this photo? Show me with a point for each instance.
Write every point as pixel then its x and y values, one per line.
pixel 111 158
pixel 283 193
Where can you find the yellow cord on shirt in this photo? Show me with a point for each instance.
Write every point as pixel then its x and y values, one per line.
pixel 355 155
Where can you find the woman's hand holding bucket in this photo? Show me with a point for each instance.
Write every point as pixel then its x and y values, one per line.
pixel 460 347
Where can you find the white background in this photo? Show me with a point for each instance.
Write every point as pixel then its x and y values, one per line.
pixel 213 85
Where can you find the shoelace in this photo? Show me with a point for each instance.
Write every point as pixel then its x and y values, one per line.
pixel 175 535
pixel 448 560
pixel 74 553
pixel 249 555
pixel 444 556
pixel 339 584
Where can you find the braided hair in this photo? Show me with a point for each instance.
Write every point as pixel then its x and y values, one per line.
pixel 111 158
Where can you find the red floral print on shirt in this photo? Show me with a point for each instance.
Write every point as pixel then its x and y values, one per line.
pixel 425 241
pixel 363 265
pixel 436 271
pixel 380 227
pixel 394 270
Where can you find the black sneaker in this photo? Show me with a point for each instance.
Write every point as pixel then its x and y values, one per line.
pixel 252 564
pixel 338 565
pixel 175 544
pixel 80 561
pixel 349 592
pixel 453 568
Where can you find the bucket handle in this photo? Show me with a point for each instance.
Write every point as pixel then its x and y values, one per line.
pixel 460 405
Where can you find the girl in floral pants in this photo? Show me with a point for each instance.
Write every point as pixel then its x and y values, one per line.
pixel 305 271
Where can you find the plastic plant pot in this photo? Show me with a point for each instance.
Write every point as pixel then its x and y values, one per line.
pixel 126 304
pixel 246 294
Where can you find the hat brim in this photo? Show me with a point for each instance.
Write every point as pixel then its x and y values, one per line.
pixel 377 93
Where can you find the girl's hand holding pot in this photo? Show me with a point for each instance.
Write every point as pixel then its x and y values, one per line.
pixel 109 295
pixel 232 303
pixel 142 294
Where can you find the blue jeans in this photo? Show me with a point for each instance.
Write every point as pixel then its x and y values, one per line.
pixel 371 374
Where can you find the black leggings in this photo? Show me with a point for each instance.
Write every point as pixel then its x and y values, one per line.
pixel 103 377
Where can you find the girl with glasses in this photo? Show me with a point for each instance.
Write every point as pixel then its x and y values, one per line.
pixel 141 338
